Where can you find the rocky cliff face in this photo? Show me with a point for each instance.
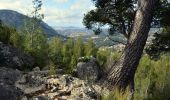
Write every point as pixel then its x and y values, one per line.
pixel 11 57
pixel 9 91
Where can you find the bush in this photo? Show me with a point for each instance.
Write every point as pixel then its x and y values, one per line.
pixel 36 48
pixel 53 68
pixel 152 79
pixel 160 44
pixel 107 58
pixel 5 33
pixel 116 95
pixel 66 54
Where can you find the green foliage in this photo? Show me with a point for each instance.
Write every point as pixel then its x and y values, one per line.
pixel 38 50
pixel 152 79
pixel 119 16
pixel 61 53
pixel 111 12
pixel 90 48
pixel 53 68
pixel 33 44
pixel 10 35
pixel 37 7
pixel 79 48
pixel 16 39
pixel 66 54
pixel 31 38
pixel 72 64
pixel 55 51
pixel 116 95
pixel 106 57
pixel 5 33
pixel 102 56
pixel 160 44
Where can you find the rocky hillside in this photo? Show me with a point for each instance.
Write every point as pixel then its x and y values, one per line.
pixel 15 19
pixel 12 57
pixel 39 85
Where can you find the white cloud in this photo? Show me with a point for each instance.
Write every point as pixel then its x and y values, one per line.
pixel 61 1
pixel 54 16
pixel 71 16
pixel 62 17
pixel 18 5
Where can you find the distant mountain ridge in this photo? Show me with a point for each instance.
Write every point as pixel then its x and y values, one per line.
pixel 16 20
pixel 73 31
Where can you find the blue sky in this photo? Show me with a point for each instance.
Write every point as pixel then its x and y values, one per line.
pixel 57 12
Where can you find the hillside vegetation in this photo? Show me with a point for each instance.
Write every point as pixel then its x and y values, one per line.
pixel 118 62
pixel 151 80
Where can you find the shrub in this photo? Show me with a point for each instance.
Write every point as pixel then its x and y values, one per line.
pixel 53 68
pixel 5 33
pixel 107 58
pixel 152 79
pixel 116 95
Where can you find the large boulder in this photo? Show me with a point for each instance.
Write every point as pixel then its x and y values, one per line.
pixel 89 70
pixel 11 57
pixel 8 91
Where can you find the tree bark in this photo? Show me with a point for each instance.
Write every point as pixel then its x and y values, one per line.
pixel 122 73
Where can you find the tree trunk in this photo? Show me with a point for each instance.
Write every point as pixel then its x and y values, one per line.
pixel 122 73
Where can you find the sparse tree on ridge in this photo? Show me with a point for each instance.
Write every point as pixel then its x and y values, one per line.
pixel 35 40
pixel 32 25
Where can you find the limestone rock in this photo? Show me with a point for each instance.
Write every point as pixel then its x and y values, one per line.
pixel 11 57
pixel 38 85
pixel 8 91
pixel 88 70
pixel 36 69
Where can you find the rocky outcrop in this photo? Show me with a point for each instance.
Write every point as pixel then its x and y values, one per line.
pixel 38 85
pixel 56 87
pixel 11 57
pixel 88 70
pixel 8 91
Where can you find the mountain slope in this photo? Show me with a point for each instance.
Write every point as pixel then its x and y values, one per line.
pixel 15 19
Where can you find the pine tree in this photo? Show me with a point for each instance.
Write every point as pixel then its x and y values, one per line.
pixel 133 19
pixel 79 48
pixel 55 51
pixel 90 49
pixel 160 44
